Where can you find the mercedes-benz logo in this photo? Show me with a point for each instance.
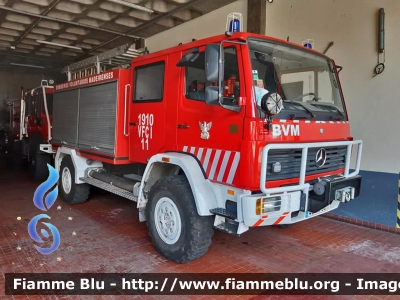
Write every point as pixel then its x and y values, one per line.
pixel 320 158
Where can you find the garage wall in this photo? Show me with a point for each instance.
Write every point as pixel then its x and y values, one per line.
pixel 10 87
pixel 12 81
pixel 211 24
pixel 352 26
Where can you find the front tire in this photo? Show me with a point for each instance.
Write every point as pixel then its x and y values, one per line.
pixel 177 231
pixel 71 192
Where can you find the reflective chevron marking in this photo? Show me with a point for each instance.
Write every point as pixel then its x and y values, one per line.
pixel 219 165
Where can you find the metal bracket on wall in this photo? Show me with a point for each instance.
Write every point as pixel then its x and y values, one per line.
pixel 329 47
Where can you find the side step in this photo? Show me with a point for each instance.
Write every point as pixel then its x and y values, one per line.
pixel 110 188
pixel 224 213
pixel 228 227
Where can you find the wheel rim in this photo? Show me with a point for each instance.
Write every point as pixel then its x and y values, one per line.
pixel 66 180
pixel 167 220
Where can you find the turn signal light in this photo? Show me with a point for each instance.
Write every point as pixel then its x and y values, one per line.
pixel 258 207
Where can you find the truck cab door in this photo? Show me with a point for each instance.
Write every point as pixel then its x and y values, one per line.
pixel 147 110
pixel 212 133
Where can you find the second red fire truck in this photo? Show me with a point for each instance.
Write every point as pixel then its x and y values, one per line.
pixel 230 132
pixel 30 130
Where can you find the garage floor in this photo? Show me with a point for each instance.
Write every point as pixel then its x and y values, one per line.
pixel 109 238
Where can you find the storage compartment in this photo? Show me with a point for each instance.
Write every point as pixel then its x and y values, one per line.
pixel 65 118
pixel 89 115
pixel 97 113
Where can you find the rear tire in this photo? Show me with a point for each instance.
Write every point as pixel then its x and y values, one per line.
pixel 71 192
pixel 38 164
pixel 177 231
pixel 14 156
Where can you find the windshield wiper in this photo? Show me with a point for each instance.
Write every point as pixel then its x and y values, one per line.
pixel 331 107
pixel 302 105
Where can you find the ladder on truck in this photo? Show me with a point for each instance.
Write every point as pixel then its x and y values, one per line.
pixel 115 58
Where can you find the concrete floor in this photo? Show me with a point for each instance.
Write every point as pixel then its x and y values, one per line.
pixel 109 238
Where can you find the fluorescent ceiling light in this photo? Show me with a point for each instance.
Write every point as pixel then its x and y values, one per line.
pixel 29 66
pixel 138 7
pixel 59 45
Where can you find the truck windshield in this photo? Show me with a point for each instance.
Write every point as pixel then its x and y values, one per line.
pixel 306 81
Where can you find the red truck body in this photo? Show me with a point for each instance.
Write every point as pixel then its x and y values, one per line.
pixel 30 128
pixel 243 162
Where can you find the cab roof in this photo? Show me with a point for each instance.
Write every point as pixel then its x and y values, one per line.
pixel 237 36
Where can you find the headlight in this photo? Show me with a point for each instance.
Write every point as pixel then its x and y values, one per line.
pixel 267 205
pixel 270 206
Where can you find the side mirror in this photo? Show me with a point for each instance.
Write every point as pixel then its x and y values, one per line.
pixel 212 63
pixel 212 95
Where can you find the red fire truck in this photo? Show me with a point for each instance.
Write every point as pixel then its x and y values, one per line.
pixel 230 132
pixel 30 130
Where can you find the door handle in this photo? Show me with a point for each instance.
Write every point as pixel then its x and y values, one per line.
pixel 126 108
pixel 183 126
pixel 132 123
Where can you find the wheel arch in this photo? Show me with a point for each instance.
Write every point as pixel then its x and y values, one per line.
pixel 80 163
pixel 170 163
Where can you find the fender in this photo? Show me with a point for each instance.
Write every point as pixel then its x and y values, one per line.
pixel 202 189
pixel 80 163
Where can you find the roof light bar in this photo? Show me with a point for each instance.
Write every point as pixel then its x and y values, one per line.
pixel 29 66
pixel 129 4
pixel 59 45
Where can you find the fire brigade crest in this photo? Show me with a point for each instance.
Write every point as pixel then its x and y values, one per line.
pixel 205 127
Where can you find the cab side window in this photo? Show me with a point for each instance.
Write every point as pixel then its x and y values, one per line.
pixel 196 82
pixel 149 83
pixel 231 75
pixel 196 79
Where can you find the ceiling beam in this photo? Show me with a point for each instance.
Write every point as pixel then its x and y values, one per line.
pixel 33 26
pixel 119 34
pixel 145 25
pixel 160 17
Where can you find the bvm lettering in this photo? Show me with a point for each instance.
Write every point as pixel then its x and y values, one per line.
pixel 285 129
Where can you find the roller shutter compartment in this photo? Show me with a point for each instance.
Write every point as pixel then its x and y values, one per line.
pixel 97 117
pixel 65 117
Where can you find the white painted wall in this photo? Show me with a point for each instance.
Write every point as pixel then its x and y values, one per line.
pixel 373 103
pixel 211 24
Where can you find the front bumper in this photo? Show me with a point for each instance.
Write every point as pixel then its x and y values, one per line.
pixel 294 203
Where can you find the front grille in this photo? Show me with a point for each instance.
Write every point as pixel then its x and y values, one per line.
pixel 290 161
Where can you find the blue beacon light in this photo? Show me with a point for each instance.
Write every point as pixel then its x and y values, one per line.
pixel 234 23
pixel 234 26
